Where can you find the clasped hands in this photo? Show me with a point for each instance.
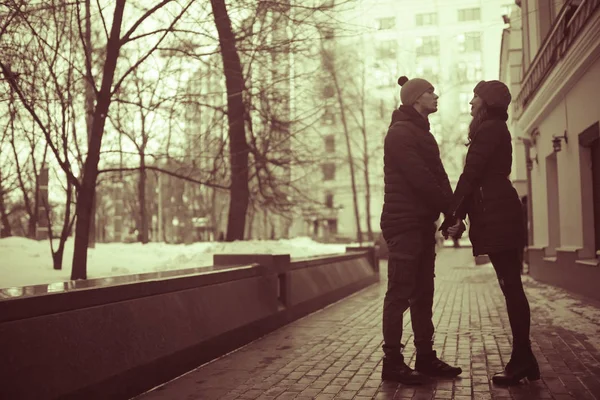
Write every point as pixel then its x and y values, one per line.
pixel 452 227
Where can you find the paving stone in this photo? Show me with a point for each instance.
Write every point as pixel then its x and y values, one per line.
pixel 443 394
pixel 370 392
pixel 334 389
pixel 336 352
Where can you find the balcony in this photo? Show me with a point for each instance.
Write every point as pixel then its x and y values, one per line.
pixel 570 22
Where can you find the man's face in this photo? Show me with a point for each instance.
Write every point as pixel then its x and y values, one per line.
pixel 428 101
pixel 476 104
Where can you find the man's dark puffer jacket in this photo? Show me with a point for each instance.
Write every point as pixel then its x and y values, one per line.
pixel 417 189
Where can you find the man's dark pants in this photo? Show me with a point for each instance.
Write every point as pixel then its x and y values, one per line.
pixel 411 266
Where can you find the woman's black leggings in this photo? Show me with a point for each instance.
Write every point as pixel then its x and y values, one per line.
pixel 508 269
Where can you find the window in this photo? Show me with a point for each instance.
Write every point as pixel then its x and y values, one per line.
pixel 328 116
pixel 327 33
pixel 469 14
pixel 468 72
pixel 429 72
pixel 386 23
pixel 386 49
pixel 506 9
pixel 327 59
pixel 329 200
pixel 426 19
pixel 381 78
pixel 328 171
pixel 428 46
pixel 469 42
pixel 332 226
pixel 330 144
pixel 328 91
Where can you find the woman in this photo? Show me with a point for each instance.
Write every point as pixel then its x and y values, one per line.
pixel 485 193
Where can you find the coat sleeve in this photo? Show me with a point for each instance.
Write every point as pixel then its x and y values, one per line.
pixel 403 154
pixel 482 148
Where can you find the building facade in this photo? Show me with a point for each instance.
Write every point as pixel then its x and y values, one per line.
pixel 453 43
pixel 554 73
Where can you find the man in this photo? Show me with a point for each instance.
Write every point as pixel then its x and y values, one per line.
pixel 417 190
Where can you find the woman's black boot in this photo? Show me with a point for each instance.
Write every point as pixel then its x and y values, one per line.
pixel 522 365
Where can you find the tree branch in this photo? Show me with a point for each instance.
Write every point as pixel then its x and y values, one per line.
pixel 12 81
pixel 164 171
pixel 87 53
pixel 127 36
pixel 141 60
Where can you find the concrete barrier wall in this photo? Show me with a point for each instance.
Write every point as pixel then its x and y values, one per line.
pixel 113 342
pixel 308 283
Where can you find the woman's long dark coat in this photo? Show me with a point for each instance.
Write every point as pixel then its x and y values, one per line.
pixel 484 191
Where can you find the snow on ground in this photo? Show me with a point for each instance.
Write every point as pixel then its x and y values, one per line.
pixel 560 307
pixel 29 262
pixel 566 309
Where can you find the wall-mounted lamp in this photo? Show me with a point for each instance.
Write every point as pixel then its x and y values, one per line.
pixel 530 162
pixel 556 145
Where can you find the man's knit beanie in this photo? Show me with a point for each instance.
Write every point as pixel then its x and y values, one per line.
pixel 493 93
pixel 412 89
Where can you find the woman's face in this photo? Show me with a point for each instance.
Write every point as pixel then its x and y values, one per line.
pixel 476 104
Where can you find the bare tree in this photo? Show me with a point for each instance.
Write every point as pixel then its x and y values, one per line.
pixel 236 116
pixel 109 85
pixel 6 185
pixel 40 45
pixel 144 100
pixel 329 64
pixel 265 40
pixel 27 170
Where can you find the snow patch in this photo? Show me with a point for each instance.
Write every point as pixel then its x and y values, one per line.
pixel 26 262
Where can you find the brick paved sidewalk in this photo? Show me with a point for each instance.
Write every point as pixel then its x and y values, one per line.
pixel 336 352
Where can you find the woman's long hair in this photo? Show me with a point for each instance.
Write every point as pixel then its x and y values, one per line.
pixel 476 122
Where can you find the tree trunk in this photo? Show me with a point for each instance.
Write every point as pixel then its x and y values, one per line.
pixel 89 108
pixel 366 159
pixel 87 191
pixel 6 229
pixel 213 214
pixel 348 148
pixel 57 257
pixel 236 112
pixel 160 211
pixel 31 224
pixel 367 195
pixel 143 234
pixel 31 213
pixel 249 234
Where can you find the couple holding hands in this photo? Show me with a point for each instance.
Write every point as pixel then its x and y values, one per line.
pixel 417 190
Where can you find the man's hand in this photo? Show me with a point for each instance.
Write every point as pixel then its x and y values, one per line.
pixel 456 230
pixel 447 224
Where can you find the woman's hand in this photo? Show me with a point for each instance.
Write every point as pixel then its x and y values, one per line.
pixel 447 224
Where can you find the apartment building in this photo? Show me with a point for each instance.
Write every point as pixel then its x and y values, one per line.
pixel 454 44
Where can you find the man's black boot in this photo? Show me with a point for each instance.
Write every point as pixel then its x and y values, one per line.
pixel 396 370
pixel 429 364
pixel 522 364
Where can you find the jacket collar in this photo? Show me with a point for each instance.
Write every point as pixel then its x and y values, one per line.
pixel 409 113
